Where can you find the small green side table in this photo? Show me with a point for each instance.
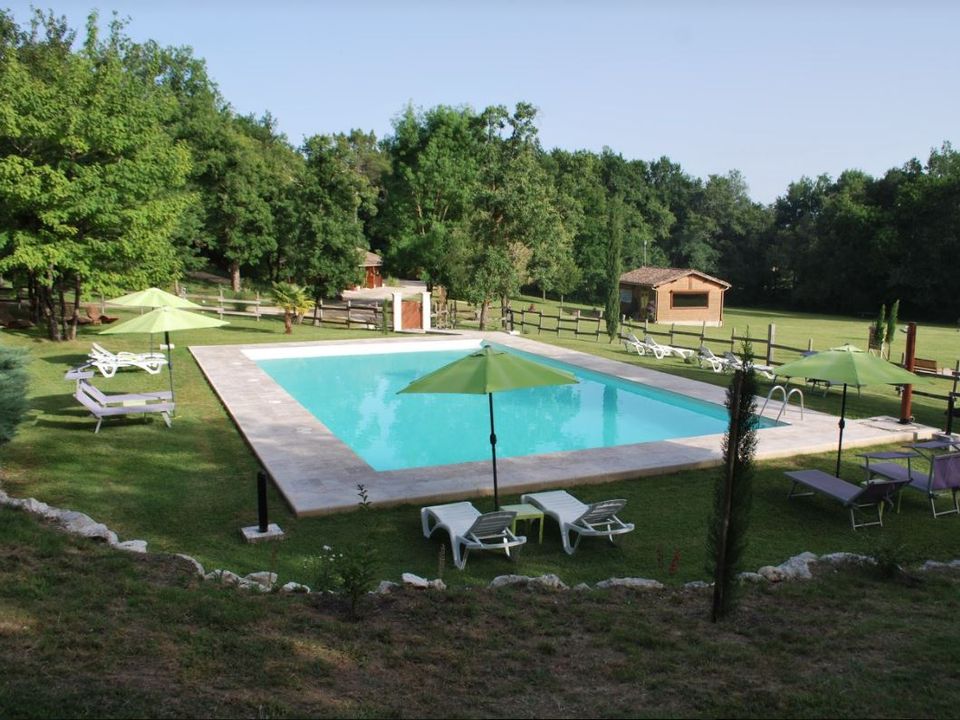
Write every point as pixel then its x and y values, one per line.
pixel 525 512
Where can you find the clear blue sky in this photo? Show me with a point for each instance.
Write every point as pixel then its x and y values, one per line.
pixel 777 90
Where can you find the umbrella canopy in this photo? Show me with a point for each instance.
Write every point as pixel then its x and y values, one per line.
pixel 485 372
pixel 164 319
pixel 154 298
pixel 848 365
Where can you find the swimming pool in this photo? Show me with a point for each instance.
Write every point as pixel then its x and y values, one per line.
pixel 354 393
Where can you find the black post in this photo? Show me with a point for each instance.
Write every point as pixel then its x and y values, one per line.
pixel 842 423
pixel 493 453
pixel 173 399
pixel 262 501
pixel 951 404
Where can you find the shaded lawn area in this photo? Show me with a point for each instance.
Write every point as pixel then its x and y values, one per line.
pixel 190 488
pixel 89 631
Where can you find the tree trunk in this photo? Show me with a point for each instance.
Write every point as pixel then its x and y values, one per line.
pixel 483 312
pixel 287 322
pixel 75 320
pixel 32 293
pixel 235 276
pixel 62 304
pixel 45 293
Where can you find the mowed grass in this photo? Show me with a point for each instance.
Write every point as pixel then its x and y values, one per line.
pixel 87 631
pixel 190 488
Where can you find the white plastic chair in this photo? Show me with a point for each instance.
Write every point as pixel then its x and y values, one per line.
pixel 471 530
pixel 596 520
pixel 108 363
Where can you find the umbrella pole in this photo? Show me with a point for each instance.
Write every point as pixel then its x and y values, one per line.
pixel 166 340
pixel 493 453
pixel 842 423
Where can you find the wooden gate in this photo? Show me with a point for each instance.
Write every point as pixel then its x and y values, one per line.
pixel 411 315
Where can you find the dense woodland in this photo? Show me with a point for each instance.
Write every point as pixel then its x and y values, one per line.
pixel 121 165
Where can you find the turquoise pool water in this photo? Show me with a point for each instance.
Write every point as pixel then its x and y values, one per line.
pixel 355 396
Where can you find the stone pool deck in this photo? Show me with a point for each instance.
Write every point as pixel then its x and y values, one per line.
pixel 318 474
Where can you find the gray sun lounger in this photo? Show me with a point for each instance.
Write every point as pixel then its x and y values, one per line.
pixel 102 405
pixel 596 520
pixel 470 530
pixel 942 477
pixel 851 496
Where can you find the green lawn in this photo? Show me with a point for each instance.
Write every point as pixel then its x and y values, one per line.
pixel 190 488
pixel 86 631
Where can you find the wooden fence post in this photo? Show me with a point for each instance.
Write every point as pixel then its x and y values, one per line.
pixel 256 308
pixel 771 338
pixel 348 314
pixel 672 326
pixel 809 344
pixel 220 301
pixel 733 334
pixel 703 332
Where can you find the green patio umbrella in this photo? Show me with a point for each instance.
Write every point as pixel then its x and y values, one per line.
pixel 483 373
pixel 153 298
pixel 848 365
pixel 166 320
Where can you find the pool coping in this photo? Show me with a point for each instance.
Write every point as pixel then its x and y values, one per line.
pixel 318 474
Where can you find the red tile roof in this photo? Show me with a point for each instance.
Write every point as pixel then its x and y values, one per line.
pixel 655 277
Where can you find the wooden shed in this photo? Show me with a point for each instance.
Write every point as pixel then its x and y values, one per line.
pixel 672 295
pixel 371 264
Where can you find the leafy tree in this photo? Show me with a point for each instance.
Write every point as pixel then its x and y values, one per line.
pixel 91 185
pixel 430 190
pixel 321 249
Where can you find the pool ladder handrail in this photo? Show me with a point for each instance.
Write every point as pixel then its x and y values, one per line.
pixel 786 399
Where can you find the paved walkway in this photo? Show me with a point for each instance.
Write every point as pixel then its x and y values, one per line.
pixel 318 474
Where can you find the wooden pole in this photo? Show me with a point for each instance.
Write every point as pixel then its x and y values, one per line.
pixel 906 397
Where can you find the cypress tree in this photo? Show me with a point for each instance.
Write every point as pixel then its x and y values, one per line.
pixel 614 268
pixel 733 489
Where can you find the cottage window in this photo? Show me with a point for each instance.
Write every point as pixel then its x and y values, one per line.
pixel 689 300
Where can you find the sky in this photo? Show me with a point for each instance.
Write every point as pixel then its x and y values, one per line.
pixel 776 90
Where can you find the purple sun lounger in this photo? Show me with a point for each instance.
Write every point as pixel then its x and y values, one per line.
pixel 942 477
pixel 853 497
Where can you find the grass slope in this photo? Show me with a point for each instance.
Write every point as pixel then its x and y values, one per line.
pixel 86 631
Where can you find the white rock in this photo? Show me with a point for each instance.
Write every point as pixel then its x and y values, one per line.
pixel 294 587
pixel 251 585
pixel 437 584
pixel 136 546
pixel 771 573
pixel 751 577
pixel 36 507
pixel 85 526
pixel 798 567
pixel 581 587
pixel 840 558
pixel 414 580
pixel 193 561
pixel 267 579
pixel 224 577
pixel 630 582
pixel 385 587
pixel 8 501
pixel 697 585
pixel 549 582
pixel 508 580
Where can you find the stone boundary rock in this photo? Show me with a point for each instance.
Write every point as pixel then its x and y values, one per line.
pixel 794 568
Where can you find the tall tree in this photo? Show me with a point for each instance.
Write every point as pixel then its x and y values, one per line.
pixel 733 489
pixel 91 185
pixel 614 266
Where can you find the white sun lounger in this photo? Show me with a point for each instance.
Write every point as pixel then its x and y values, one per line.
pixel 596 520
pixel 471 530
pixel 664 350
pixel 706 355
pixel 734 363
pixel 108 363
